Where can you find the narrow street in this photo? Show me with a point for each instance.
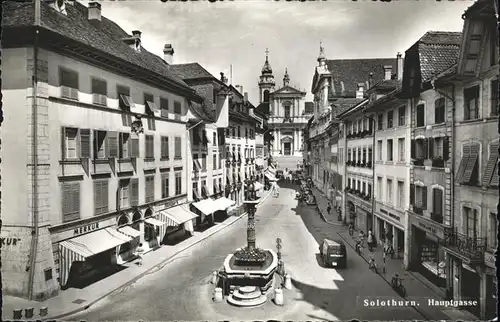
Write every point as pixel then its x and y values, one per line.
pixel 181 290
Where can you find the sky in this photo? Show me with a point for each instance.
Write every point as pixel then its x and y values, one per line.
pixel 218 35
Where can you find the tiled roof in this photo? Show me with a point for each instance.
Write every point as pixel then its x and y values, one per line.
pixel 105 35
pixel 350 72
pixel 438 51
pixel 343 105
pixel 480 7
pixel 190 71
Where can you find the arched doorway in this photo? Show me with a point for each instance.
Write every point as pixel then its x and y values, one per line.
pixel 266 96
pixel 123 220
pixel 136 220
pixel 148 213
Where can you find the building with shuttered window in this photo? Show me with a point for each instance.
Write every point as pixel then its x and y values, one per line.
pixel 431 187
pixel 472 87
pixel 107 166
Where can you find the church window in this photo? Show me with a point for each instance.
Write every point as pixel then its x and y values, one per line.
pixel 266 96
pixel 287 111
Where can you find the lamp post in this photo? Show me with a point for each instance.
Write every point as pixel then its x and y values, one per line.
pixel 251 196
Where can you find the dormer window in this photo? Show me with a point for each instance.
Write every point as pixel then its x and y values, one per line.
pixel 59 6
pixel 124 99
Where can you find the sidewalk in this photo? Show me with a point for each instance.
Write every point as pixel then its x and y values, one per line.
pixel 72 301
pixel 416 287
pixel 322 202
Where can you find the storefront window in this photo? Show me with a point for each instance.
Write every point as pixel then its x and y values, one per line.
pixel 433 260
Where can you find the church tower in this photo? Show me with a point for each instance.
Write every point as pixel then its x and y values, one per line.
pixel 266 82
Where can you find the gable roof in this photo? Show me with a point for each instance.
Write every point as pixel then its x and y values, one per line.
pixel 190 71
pixel 104 36
pixel 438 51
pixel 287 89
pixel 350 72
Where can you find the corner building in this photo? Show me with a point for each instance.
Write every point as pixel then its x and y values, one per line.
pixel 99 160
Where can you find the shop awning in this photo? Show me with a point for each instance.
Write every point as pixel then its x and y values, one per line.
pixel 223 203
pixel 258 185
pixel 81 247
pixel 178 215
pixel 155 222
pixel 270 176
pixel 206 206
pixel 129 231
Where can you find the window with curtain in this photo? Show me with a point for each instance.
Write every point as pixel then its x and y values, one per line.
pixel 471 221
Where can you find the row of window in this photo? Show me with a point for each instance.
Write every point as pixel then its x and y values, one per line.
pixel 69 82
pixel 359 155
pixel 235 132
pixel 388 118
pixel 99 144
pixel 205 191
pixel 127 196
pixel 362 186
pixel 400 154
pixel 389 195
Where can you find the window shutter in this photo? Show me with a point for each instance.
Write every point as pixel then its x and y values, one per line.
pixel 412 194
pixel 489 171
pixel 63 143
pixel 412 149
pixel 97 197
pixel 134 192
pixel 134 147
pixel 112 144
pixel 471 163
pixel 66 198
pixel 104 196
pixel 446 148
pixel 463 162
pixel 431 148
pixel 424 197
pixel 178 152
pixel 426 148
pixel 96 144
pixel 85 143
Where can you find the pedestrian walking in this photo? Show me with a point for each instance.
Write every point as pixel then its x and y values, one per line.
pixel 362 238
pixel 138 252
pixel 370 240
pixel 382 235
pixel 328 208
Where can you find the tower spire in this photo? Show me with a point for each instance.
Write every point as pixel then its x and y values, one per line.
pixel 321 56
pixel 286 78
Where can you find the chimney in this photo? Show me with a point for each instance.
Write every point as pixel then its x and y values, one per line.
pixel 245 97
pixel 136 34
pixel 168 54
pixel 387 72
pixel 360 91
pixel 223 78
pixel 370 80
pixel 239 88
pixel 94 11
pixel 400 66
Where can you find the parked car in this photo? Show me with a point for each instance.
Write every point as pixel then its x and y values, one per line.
pixel 333 253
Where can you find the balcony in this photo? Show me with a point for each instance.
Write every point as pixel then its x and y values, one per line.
pixel 470 248
pixel 418 210
pixel 438 162
pixel 418 162
pixel 437 217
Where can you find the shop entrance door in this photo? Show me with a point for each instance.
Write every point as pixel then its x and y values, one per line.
pixel 471 289
pixel 287 148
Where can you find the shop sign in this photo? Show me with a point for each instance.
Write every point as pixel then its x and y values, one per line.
pixel 489 259
pixel 8 241
pixel 85 229
pixel 434 229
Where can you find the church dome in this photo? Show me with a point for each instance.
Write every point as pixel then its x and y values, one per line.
pixel 266 69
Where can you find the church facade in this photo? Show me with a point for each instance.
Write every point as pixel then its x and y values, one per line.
pixel 287 115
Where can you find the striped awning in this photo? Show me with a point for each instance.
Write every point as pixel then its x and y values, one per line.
pixel 129 231
pixel 160 223
pixel 81 247
pixel 206 206
pixel 270 176
pixel 258 185
pixel 223 203
pixel 177 215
